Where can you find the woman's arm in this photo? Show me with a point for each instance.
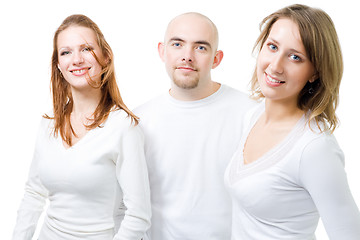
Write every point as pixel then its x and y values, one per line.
pixel 132 175
pixel 323 176
pixel 33 202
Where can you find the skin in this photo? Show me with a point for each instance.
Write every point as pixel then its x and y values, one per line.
pixel 189 52
pixel 77 64
pixel 76 61
pixel 283 69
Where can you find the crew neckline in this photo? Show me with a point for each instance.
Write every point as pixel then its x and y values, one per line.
pixel 200 102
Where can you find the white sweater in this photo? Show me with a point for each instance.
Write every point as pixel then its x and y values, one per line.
pixel 188 145
pixel 97 189
pixel 281 194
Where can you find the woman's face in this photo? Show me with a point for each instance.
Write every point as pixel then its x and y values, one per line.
pixel 283 68
pixel 77 63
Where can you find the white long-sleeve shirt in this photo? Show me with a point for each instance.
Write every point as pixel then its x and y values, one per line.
pixel 97 189
pixel 282 194
pixel 188 145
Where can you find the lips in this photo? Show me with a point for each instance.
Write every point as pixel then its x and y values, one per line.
pixel 186 68
pixel 272 81
pixel 80 72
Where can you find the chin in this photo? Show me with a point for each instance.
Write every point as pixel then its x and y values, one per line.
pixel 186 83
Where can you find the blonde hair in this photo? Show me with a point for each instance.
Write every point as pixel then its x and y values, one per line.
pixel 322 47
pixel 61 94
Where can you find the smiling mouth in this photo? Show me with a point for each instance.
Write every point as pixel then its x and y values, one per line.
pixel 80 71
pixel 274 80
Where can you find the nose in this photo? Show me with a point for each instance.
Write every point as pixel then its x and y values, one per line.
pixel 187 59
pixel 188 55
pixel 276 64
pixel 78 58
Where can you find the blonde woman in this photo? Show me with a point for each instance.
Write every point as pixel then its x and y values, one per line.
pixel 89 158
pixel 289 169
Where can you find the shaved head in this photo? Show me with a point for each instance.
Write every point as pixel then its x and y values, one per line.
pixel 194 16
pixel 190 52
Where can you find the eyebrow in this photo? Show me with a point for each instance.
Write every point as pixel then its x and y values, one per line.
pixel 291 49
pixel 201 42
pixel 86 45
pixel 81 46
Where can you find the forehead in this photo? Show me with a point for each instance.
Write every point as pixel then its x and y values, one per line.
pixel 76 35
pixel 286 30
pixel 191 28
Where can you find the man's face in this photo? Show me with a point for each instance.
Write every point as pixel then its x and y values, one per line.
pixel 189 50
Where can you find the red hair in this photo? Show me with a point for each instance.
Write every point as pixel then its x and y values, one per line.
pixel 61 93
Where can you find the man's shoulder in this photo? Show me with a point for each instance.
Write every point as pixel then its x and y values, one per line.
pixel 236 96
pixel 149 105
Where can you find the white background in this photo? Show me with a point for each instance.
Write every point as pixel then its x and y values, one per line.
pixel 133 29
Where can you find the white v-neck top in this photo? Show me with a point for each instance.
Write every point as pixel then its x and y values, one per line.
pixel 282 194
pixel 97 189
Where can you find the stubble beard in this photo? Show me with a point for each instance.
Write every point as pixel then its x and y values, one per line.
pixel 187 83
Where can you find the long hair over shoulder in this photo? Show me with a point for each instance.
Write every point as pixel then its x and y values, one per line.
pixel 322 47
pixel 61 94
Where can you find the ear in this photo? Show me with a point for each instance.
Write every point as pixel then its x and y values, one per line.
pixel 161 50
pixel 107 60
pixel 314 77
pixel 217 59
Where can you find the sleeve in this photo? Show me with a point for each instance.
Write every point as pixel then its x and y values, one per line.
pixel 323 176
pixel 33 202
pixel 133 178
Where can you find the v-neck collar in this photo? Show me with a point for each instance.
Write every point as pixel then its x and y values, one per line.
pixel 240 170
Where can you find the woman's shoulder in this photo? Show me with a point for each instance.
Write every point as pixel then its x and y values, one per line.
pixel 317 142
pixel 122 126
pixel 318 131
pixel 321 140
pixel 315 132
pixel 119 119
pixel 320 153
pixel 118 114
pixel 46 123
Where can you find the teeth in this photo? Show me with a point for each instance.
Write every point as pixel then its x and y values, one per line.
pixel 79 71
pixel 273 80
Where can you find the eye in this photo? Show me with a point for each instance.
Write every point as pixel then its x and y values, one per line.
pixel 63 53
pixel 87 49
pixel 295 57
pixel 202 48
pixel 272 47
pixel 176 44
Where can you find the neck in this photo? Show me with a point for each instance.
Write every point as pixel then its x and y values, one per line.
pixel 281 112
pixel 85 102
pixel 194 94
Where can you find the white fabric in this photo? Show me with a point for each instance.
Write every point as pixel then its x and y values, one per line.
pixel 281 194
pixel 94 187
pixel 188 145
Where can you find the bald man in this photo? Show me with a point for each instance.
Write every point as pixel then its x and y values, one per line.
pixel 191 133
